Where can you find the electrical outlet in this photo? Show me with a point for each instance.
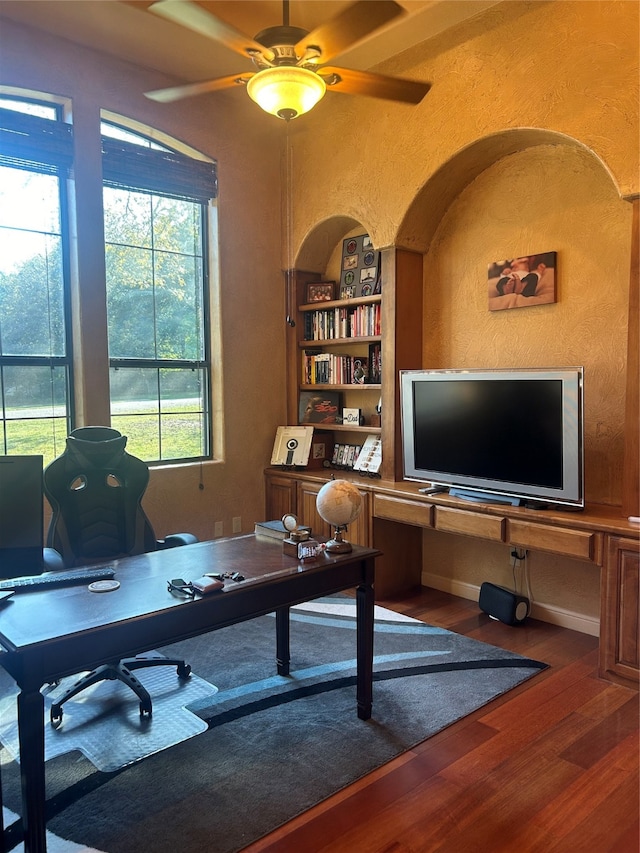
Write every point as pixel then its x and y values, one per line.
pixel 218 530
pixel 516 557
pixel 236 524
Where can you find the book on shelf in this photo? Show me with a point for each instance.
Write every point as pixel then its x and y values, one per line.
pixel 359 370
pixel 276 529
pixel 375 363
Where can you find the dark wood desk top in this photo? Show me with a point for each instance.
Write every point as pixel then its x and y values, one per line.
pixel 44 626
pixel 49 634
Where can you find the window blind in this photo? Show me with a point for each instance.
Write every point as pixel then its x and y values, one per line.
pixel 31 142
pixel 127 166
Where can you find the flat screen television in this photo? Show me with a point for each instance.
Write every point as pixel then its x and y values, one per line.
pixel 505 436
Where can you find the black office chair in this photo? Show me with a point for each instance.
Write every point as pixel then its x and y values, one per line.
pixel 95 489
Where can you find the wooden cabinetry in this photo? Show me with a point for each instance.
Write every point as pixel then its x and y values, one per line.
pixel 280 496
pixel 394 514
pixel 619 619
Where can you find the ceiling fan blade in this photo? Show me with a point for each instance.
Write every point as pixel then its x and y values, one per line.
pixel 196 17
pixel 349 26
pixel 175 93
pixel 375 85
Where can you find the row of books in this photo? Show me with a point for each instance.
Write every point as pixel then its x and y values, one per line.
pixel 329 368
pixel 335 323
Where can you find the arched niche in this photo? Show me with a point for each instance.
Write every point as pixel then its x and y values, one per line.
pixel 420 231
pixel 320 243
pixel 423 216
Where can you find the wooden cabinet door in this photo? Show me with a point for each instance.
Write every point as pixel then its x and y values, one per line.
pixel 358 532
pixel 619 620
pixel 280 496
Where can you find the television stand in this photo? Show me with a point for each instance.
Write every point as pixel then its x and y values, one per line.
pixel 483 497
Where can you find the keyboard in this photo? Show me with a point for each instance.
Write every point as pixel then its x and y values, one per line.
pixel 50 580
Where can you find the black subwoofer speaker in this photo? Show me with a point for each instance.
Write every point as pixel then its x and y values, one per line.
pixel 502 604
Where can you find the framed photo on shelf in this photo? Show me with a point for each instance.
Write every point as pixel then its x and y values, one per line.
pixel 347 291
pixel 320 407
pixel 320 291
pixel 292 445
pixel 352 417
pixel 360 267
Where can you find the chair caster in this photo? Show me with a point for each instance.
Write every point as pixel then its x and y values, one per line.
pixel 183 670
pixel 145 708
pixel 56 716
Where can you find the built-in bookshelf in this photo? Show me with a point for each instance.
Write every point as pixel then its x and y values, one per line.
pixel 384 328
pixel 341 353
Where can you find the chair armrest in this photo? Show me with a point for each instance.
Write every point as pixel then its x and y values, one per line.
pixel 52 560
pixel 174 540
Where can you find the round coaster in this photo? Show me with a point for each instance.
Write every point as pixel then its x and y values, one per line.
pixel 103 586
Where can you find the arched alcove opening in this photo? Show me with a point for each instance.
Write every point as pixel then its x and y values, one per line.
pixel 521 193
pixel 319 245
pixel 439 191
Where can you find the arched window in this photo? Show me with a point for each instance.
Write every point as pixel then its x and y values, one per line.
pixel 156 204
pixel 36 150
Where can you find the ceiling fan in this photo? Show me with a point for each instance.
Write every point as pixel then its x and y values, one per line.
pixel 291 77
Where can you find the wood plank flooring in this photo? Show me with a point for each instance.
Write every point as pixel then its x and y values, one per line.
pixel 550 768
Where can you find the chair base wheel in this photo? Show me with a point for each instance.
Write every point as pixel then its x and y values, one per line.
pixel 183 670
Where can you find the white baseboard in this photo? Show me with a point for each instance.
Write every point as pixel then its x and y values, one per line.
pixel 543 612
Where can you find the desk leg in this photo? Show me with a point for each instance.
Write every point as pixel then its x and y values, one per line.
pixel 283 655
pixel 364 616
pixel 32 775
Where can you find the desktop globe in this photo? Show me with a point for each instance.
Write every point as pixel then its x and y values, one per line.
pixel 339 503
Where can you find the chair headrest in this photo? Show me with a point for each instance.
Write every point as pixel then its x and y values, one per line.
pixel 97 443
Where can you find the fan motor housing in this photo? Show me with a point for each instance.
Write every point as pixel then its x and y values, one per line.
pixel 281 35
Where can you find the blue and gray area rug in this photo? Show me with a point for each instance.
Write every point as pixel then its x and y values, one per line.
pixel 258 748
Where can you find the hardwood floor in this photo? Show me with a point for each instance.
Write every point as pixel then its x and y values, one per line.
pixel 550 768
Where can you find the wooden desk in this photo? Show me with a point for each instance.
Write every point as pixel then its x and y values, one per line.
pixel 51 634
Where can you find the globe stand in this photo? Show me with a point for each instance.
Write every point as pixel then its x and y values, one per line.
pixel 338 545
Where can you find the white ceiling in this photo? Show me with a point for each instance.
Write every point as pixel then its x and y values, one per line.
pixel 131 33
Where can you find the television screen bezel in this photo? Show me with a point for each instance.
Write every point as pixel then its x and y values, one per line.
pixel 570 495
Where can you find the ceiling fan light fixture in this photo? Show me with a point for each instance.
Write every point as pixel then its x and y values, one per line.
pixel 286 91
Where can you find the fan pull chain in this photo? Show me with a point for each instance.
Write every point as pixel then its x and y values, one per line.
pixel 289 226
